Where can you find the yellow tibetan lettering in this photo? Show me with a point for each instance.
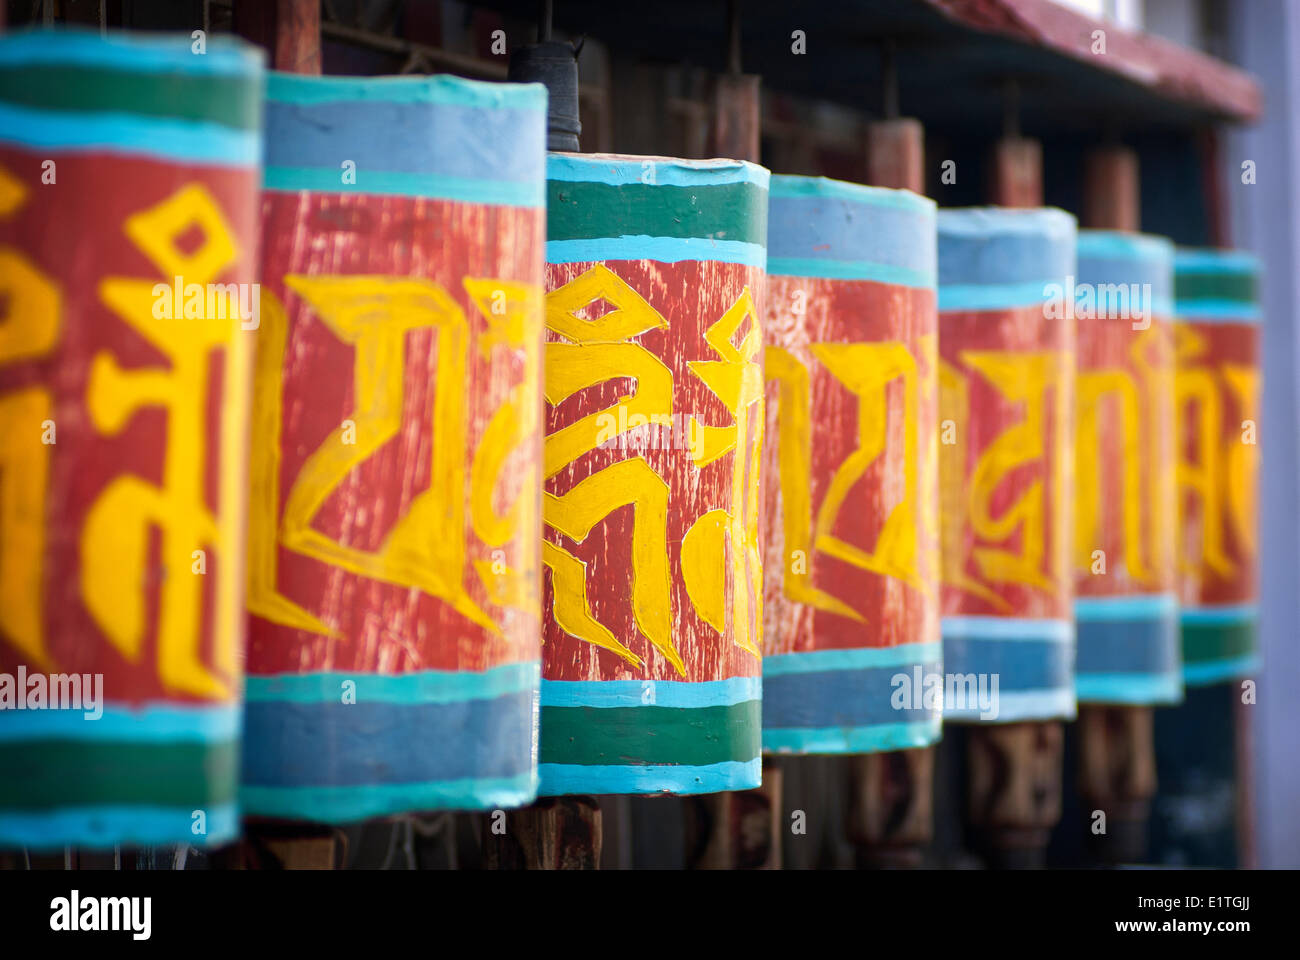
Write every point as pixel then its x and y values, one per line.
pixel 597 351
pixel 867 369
pixel 737 380
pixel 114 541
pixel 1200 475
pixel 426 547
pixel 1021 378
pixel 794 473
pixel 1241 458
pixel 517 325
pixel 30 329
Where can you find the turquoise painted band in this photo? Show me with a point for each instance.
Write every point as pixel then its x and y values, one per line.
pixel 653 171
pixel 662 249
pixel 425 686
pixel 566 778
pixel 873 739
pixel 343 804
pixel 1008 628
pixel 107 826
pixel 1207 672
pixel 1143 606
pixel 1140 689
pixel 798 186
pixel 850 270
pixel 129 52
pixel 1023 705
pixel 150 723
pixel 440 90
pixel 816 661
pixel 186 141
pixel 650 693
pixel 385 182
pixel 1227 614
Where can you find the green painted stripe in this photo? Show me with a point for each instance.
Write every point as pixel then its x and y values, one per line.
pixel 231 101
pixel 58 773
pixel 641 735
pixel 581 210
pixel 1205 642
pixel 1215 286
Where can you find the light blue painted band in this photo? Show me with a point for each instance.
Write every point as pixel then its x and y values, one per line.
pixel 849 270
pixel 129 52
pixel 564 778
pixel 659 172
pixel 816 661
pixel 665 693
pixel 662 249
pixel 152 723
pixel 872 739
pixel 1023 705
pixel 1144 607
pixel 1007 628
pixel 109 826
pixel 440 90
pixel 992 296
pixel 383 182
pixel 1210 672
pixel 1242 613
pixel 788 186
pixel 426 686
pixel 1134 688
pixel 1193 260
pixel 1014 252
pixel 1118 245
pixel 186 141
pixel 343 804
pixel 1217 311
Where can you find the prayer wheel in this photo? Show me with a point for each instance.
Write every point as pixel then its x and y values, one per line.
pixel 1006 402
pixel 128 237
pixel 1216 393
pixel 1126 592
pixel 850 470
pixel 654 384
pixel 394 535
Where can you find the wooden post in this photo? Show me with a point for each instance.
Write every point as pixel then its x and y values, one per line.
pixel 737 101
pixel 1117 761
pixel 1015 770
pixel 556 833
pixel 289 30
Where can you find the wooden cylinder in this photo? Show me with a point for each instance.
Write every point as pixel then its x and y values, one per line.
pixel 851 614
pixel 895 154
pixel 653 592
pixel 394 532
pixel 128 235
pixel 1124 560
pixel 1006 398
pixel 1216 394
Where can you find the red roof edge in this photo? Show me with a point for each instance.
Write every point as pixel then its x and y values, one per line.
pixel 1164 67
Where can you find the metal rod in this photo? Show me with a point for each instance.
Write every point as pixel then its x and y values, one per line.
pixel 733 38
pixel 1011 110
pixel 544 22
pixel 889 80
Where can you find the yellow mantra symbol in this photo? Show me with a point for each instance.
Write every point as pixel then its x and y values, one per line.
pixel 1219 474
pixel 600 350
pixel 865 369
pixel 1030 380
pixel 426 548
pixel 114 541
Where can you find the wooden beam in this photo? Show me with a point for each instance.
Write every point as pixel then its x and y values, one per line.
pixel 555 833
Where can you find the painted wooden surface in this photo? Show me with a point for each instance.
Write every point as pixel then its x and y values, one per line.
pixel 1216 357
pixel 128 179
pixel 1006 398
pixel 850 467
pixel 653 590
pixel 1126 601
pixel 394 532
